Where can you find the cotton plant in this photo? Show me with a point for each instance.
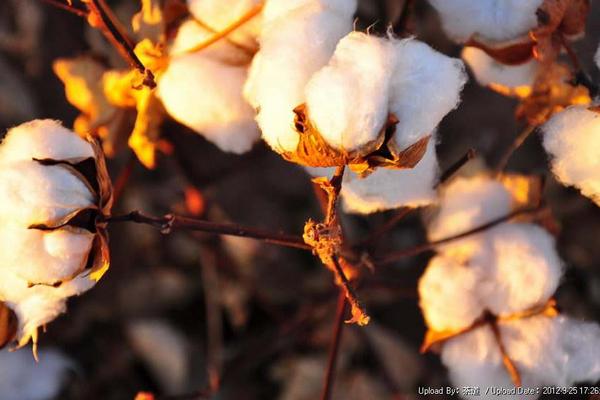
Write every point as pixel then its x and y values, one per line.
pixel 509 45
pixel 487 299
pixel 55 245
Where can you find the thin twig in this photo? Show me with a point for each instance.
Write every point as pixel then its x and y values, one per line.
pixel 67 7
pixel 251 13
pixel 404 211
pixel 171 222
pixel 105 20
pixel 413 251
pixel 336 339
pixel 214 331
pixel 514 146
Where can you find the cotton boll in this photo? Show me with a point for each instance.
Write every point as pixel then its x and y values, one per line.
pixel 487 20
pixel 572 139
pixel 39 194
pixel 293 47
pixel 220 14
pixel 556 351
pixel 426 86
pixel 525 271
pixel 191 34
pixel 448 295
pixel 205 95
pixel 506 79
pixel 41 139
pixel 467 203
pixel 277 8
pixel 347 100
pixel 53 256
pixel 22 378
pixel 473 360
pixel 389 188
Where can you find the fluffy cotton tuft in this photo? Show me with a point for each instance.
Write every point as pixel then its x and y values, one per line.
pixel 521 268
pixel 487 20
pixel 347 100
pixel 572 139
pixel 448 295
pixel 22 378
pixel 425 86
pixel 387 189
pixel 466 203
pixel 489 72
pixel 220 14
pixel 546 351
pixel 203 91
pixel 298 38
pixel 39 268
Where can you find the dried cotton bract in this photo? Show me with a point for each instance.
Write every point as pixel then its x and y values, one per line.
pixel 203 89
pixel 54 186
pixel 572 139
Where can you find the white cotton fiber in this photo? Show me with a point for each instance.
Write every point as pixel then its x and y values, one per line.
pixel 43 138
pixel 347 100
pixel 489 72
pixel 487 20
pixel 40 269
pixel 473 360
pixel 448 295
pixel 426 86
pixel 521 270
pixel 572 140
pixel 467 203
pixel 293 46
pixel 22 378
pixel 40 194
pixel 191 34
pixel 276 8
pixel 206 95
pixel 386 189
pixel 53 256
pixel 220 14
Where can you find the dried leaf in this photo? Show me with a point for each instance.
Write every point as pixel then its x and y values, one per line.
pixel 148 22
pixel 552 92
pixel 510 54
pixel 526 190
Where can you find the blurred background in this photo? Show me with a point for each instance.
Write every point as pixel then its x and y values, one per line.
pixel 175 312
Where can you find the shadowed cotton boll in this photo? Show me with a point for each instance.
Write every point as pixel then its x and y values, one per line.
pixel 467 203
pixel 22 378
pixel 297 39
pixel 487 20
pixel 44 259
pixel 203 91
pixel 387 189
pixel 572 140
pixel 220 14
pixel 506 79
pixel 545 350
pixel 522 269
pixel 425 86
pixel 448 295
